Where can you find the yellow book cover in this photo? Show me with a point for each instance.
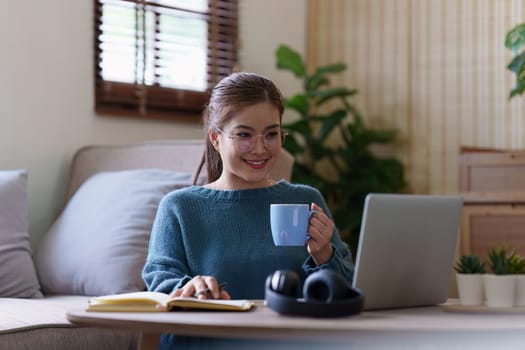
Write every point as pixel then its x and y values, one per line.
pixel 158 302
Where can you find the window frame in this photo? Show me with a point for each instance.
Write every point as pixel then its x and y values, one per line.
pixel 143 101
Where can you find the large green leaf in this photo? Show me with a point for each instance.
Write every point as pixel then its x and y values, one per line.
pixel 300 126
pixel 314 84
pixel 292 146
pixel 290 60
pixel 299 103
pixel 328 123
pixel 381 136
pixel 331 68
pixel 319 77
pixel 317 150
pixel 518 89
pixel 517 64
pixel 329 94
pixel 515 38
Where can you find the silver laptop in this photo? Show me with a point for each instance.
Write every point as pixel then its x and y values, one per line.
pixel 406 249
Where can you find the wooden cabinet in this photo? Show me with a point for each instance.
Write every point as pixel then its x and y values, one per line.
pixel 485 226
pixel 492 183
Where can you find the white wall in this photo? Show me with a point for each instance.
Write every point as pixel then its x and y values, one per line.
pixel 46 89
pixel 264 26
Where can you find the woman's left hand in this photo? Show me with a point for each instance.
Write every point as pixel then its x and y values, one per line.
pixel 320 230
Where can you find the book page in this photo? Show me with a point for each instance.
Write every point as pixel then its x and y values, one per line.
pixel 154 301
pixel 146 298
pixel 211 304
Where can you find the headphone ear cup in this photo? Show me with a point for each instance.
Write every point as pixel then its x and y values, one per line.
pixel 326 286
pixel 284 282
pixel 327 294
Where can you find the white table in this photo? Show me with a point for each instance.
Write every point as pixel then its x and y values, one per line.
pixel 414 328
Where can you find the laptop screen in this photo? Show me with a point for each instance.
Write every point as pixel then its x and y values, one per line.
pixel 406 249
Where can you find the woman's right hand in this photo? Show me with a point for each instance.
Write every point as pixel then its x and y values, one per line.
pixel 202 287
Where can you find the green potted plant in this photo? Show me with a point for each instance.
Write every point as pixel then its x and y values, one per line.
pixel 469 276
pixel 515 41
pixel 332 145
pixel 517 268
pixel 500 284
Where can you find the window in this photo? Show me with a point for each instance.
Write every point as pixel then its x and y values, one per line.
pixel 159 58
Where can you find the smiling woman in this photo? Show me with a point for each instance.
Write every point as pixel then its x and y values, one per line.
pixel 220 231
pixel 158 58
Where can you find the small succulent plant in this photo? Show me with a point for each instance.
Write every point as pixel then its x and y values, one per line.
pixel 516 263
pixel 470 264
pixel 502 263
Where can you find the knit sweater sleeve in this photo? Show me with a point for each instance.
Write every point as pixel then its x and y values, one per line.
pixel 165 269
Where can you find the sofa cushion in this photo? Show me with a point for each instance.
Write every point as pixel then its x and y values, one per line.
pixel 42 324
pixel 17 273
pixel 20 314
pixel 99 243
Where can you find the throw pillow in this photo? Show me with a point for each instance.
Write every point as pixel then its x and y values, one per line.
pixel 17 273
pixel 99 243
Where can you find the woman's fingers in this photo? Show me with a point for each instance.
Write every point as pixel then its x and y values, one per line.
pixel 320 231
pixel 202 287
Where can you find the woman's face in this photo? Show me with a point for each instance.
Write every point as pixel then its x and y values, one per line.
pixel 248 156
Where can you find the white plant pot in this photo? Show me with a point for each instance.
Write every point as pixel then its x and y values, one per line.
pixel 499 290
pixel 519 297
pixel 470 288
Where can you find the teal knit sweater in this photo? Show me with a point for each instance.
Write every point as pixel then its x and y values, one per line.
pixel 226 234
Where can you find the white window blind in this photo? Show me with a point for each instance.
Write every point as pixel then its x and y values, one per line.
pixel 159 58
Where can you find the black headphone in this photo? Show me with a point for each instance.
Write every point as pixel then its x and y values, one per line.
pixel 326 293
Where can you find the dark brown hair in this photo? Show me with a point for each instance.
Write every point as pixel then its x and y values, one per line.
pixel 228 97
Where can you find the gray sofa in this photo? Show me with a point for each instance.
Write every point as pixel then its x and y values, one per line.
pixel 94 248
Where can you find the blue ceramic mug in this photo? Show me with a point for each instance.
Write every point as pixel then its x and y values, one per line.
pixel 289 223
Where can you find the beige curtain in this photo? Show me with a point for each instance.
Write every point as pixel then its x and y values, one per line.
pixel 434 69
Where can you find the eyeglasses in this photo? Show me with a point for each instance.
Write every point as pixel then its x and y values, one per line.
pixel 245 140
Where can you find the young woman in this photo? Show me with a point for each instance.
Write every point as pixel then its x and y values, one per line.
pixel 220 232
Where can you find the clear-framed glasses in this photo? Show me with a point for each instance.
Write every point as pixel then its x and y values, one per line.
pixel 245 140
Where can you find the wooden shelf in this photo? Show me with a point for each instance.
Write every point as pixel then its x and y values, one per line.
pixel 492 184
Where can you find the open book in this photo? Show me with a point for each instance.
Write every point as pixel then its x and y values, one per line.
pixel 155 301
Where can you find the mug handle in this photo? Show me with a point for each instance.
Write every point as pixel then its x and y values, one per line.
pixel 310 213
